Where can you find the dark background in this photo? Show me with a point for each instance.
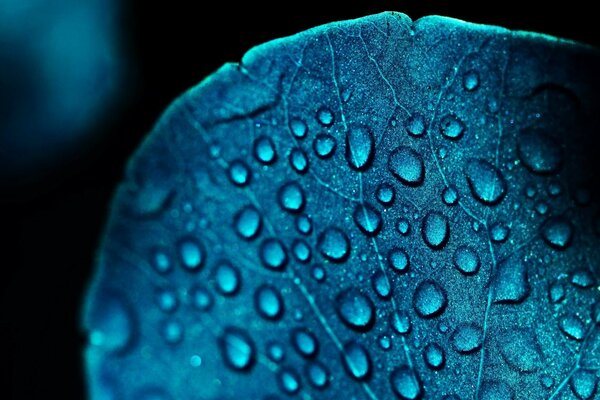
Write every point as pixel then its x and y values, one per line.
pixel 52 220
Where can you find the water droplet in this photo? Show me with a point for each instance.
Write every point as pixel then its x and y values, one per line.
pixel 268 302
pixel 301 251
pixel 499 232
pixel 572 326
pixel 161 261
pixel 405 383
pixel 298 128
pixel 540 153
pixel 111 322
pixel 360 147
pixel 273 255
pixel 557 232
pixel 385 343
pixel 275 352
pixel 355 309
pixel 201 298
pixel 305 342
pixel 556 292
pixel 415 125
pixel 547 381
pixel 510 283
pixel 471 80
pixel 317 374
pixel 583 383
pixel 398 260
pixel 195 361
pixel 367 219
pixel 583 278
pixel 520 350
pixel 452 127
pixel 334 245
pixel 385 194
pixel 239 173
pixel 554 189
pixel 304 224
pixel 541 208
pixel 247 222
pixel 298 160
pixel 429 299
pixel 485 181
pixel 237 349
pixel 167 300
pixel 227 279
pixel 288 380
pixel 356 361
pixel 466 338
pixel 291 197
pixel 172 331
pixel 407 166
pixel 381 285
pixel 318 273
pixel 434 356
pixel 191 254
pixel 450 196
pixel 264 150
pixel 435 230
pixel 466 260
pixel 403 226
pixel 400 322
pixel 324 145
pixel 325 116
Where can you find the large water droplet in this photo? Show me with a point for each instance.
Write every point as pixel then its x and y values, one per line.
pixel 227 279
pixel 520 350
pixel 191 254
pixel 324 145
pixel 429 299
pixel 452 127
pixel 572 326
pixel 407 166
pixel 356 361
pixel 355 309
pixel 268 302
pixel 466 260
pixel 540 153
pixel 237 349
pixel 288 380
pixel 239 173
pixel 272 254
pixel 359 147
pixel 435 230
pixel 466 338
pixel 434 356
pixel 415 125
pixel 557 232
pixel 305 342
pixel 334 245
pixel 317 373
pixel 398 259
pixel 264 150
pixel 405 383
pixel 247 222
pixel 298 160
pixel 291 197
pixel 510 283
pixel 368 219
pixel 485 181
pixel 584 384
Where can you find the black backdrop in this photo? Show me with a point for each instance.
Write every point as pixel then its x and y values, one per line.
pixel 52 220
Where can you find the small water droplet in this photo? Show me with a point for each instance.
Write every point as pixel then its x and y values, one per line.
pixel 407 166
pixel 415 125
pixel 268 302
pixel 398 260
pixel 227 279
pixel 405 383
pixel 317 374
pixel 403 226
pixel 510 283
pixel 356 361
pixel 195 361
pixel 247 222
pixel 471 80
pixel 239 173
pixel 161 261
pixel 272 254
pixel 499 232
pixel 385 194
pixel 572 326
pixel 452 127
pixel 360 147
pixel 318 273
pixel 556 292
pixel 367 219
pixel 435 230
pixel 520 350
pixel 434 356
pixel 400 322
pixel 355 309
pixel 301 251
pixel 324 145
pixel 450 196
pixel 466 260
pixel 298 128
pixel 167 300
pixel 201 298
pixel 381 284
pixel 334 245
pixel 298 160
pixel 557 232
pixel 485 181
pixel 111 322
pixel 291 197
pixel 191 254
pixel 325 116
pixel 304 224
pixel 275 352
pixel 583 278
pixel 172 331
pixel 237 349
pixel 264 150
pixel 305 342
pixel 288 380
pixel 429 299
pixel 385 343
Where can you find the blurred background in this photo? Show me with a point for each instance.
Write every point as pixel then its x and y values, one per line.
pixel 81 83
